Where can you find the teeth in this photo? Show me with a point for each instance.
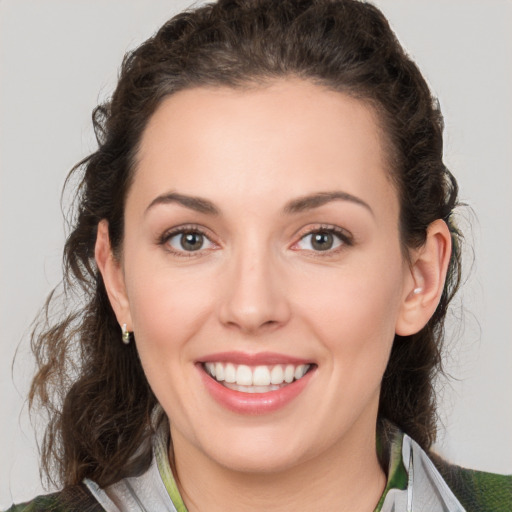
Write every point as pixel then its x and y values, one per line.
pixel 230 373
pixel 252 389
pixel 261 376
pixel 243 375
pixel 258 379
pixel 277 375
pixel 300 371
pixel 219 372
pixel 289 373
pixel 210 368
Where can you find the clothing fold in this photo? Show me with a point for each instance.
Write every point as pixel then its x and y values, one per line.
pixel 416 482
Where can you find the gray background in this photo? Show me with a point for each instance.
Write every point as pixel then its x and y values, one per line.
pixel 59 57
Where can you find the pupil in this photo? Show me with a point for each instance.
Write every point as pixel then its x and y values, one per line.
pixel 192 241
pixel 322 241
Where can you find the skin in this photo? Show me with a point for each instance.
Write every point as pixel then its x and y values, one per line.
pixel 258 285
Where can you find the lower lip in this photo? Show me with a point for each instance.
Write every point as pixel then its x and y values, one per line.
pixel 254 403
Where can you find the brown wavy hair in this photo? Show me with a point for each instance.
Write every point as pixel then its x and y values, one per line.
pixel 93 388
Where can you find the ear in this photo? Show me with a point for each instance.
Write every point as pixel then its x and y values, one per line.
pixel 112 274
pixel 425 282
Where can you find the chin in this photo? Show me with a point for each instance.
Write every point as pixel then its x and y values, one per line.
pixel 260 452
pixel 262 461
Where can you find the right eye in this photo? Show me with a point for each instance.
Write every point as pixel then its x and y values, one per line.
pixel 188 241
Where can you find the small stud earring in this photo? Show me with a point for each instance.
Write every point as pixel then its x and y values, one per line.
pixel 418 290
pixel 125 335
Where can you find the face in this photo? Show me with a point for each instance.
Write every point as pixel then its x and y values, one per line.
pixel 262 272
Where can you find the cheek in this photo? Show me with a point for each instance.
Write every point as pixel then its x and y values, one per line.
pixel 167 310
pixel 162 299
pixel 354 309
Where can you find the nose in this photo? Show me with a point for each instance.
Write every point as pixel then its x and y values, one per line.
pixel 254 298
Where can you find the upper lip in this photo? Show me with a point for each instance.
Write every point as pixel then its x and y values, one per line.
pixel 260 358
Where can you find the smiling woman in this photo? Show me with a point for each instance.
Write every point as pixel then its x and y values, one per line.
pixel 255 295
pixel 267 225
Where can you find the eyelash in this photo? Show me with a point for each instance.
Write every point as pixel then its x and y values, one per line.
pixel 183 230
pixel 344 237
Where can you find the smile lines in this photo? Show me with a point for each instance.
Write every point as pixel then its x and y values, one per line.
pixel 257 379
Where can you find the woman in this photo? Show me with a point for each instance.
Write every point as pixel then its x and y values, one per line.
pixel 265 239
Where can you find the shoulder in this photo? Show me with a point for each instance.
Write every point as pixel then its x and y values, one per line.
pixel 478 491
pixel 76 498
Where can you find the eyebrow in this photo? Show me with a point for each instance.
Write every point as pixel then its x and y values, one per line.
pixel 298 205
pixel 312 201
pixel 193 203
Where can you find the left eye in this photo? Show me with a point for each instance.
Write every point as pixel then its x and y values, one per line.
pixel 323 240
pixel 189 241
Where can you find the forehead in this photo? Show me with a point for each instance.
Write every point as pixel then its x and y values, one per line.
pixel 285 138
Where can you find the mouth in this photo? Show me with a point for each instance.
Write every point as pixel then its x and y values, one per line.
pixel 255 379
pixel 255 384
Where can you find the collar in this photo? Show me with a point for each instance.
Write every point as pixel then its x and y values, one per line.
pixel 413 484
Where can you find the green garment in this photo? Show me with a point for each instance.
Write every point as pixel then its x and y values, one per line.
pixel 448 487
pixel 477 491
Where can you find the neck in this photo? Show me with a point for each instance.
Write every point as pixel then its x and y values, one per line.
pixel 346 477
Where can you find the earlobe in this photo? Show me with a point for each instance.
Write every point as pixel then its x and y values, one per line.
pixel 112 274
pixel 423 289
